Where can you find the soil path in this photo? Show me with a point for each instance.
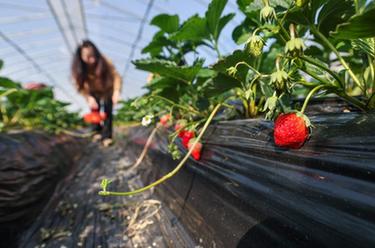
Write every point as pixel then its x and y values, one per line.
pixel 76 216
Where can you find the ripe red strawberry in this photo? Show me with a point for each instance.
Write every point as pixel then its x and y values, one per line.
pixel 34 86
pixel 103 115
pixel 95 117
pixel 291 130
pixel 180 125
pixel 188 135
pixel 164 120
pixel 196 153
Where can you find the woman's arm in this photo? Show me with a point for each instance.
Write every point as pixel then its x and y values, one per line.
pixel 117 82
pixel 85 92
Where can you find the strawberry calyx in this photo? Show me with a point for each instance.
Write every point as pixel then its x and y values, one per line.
pixel 180 127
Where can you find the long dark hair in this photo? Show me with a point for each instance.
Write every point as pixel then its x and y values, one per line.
pixel 80 68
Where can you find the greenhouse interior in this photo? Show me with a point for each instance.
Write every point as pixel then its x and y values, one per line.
pixel 201 123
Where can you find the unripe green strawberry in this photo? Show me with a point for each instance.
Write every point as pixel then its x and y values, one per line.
pixel 301 3
pixel 267 13
pixel 294 47
pixel 255 45
pixel 280 80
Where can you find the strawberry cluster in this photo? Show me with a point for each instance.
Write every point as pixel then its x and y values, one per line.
pixel 188 138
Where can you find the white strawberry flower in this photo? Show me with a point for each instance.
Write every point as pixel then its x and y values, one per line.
pixel 146 120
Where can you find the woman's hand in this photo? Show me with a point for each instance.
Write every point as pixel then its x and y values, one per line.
pixel 115 97
pixel 92 102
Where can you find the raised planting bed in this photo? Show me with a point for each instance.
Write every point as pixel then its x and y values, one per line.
pixel 247 192
pixel 32 164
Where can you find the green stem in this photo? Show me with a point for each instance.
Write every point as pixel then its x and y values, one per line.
pixel 173 172
pixel 357 103
pixel 16 117
pixel 216 47
pixel 244 63
pixel 308 84
pixel 372 69
pixel 360 105
pixel 285 15
pixel 313 75
pixel 356 3
pixel 343 62
pixel 311 61
pixel 311 93
pixel 254 80
pixel 8 92
pixel 176 104
pixel 228 106
pixel 284 34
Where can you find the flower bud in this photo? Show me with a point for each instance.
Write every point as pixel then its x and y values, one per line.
pixel 301 3
pixel 294 47
pixel 255 45
pixel 232 71
pixel 280 81
pixel 267 13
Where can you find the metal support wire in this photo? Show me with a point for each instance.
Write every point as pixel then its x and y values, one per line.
pixel 44 65
pixel 35 65
pixel 120 10
pixel 139 36
pixel 157 7
pixel 31 32
pixel 61 28
pixel 71 26
pixel 40 53
pixel 111 18
pixel 21 7
pixel 56 69
pixel 23 18
pixel 83 14
pixel 117 40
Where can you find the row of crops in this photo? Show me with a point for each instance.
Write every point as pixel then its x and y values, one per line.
pixel 33 106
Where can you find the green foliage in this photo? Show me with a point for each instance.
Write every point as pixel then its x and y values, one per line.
pixel 194 29
pixel 287 55
pixel 169 69
pixel 215 22
pixel 166 23
pixel 359 26
pixel 33 109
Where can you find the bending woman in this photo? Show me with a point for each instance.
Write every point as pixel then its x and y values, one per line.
pixel 98 81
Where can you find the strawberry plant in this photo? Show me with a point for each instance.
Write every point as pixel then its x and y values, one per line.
pixel 33 107
pixel 292 51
